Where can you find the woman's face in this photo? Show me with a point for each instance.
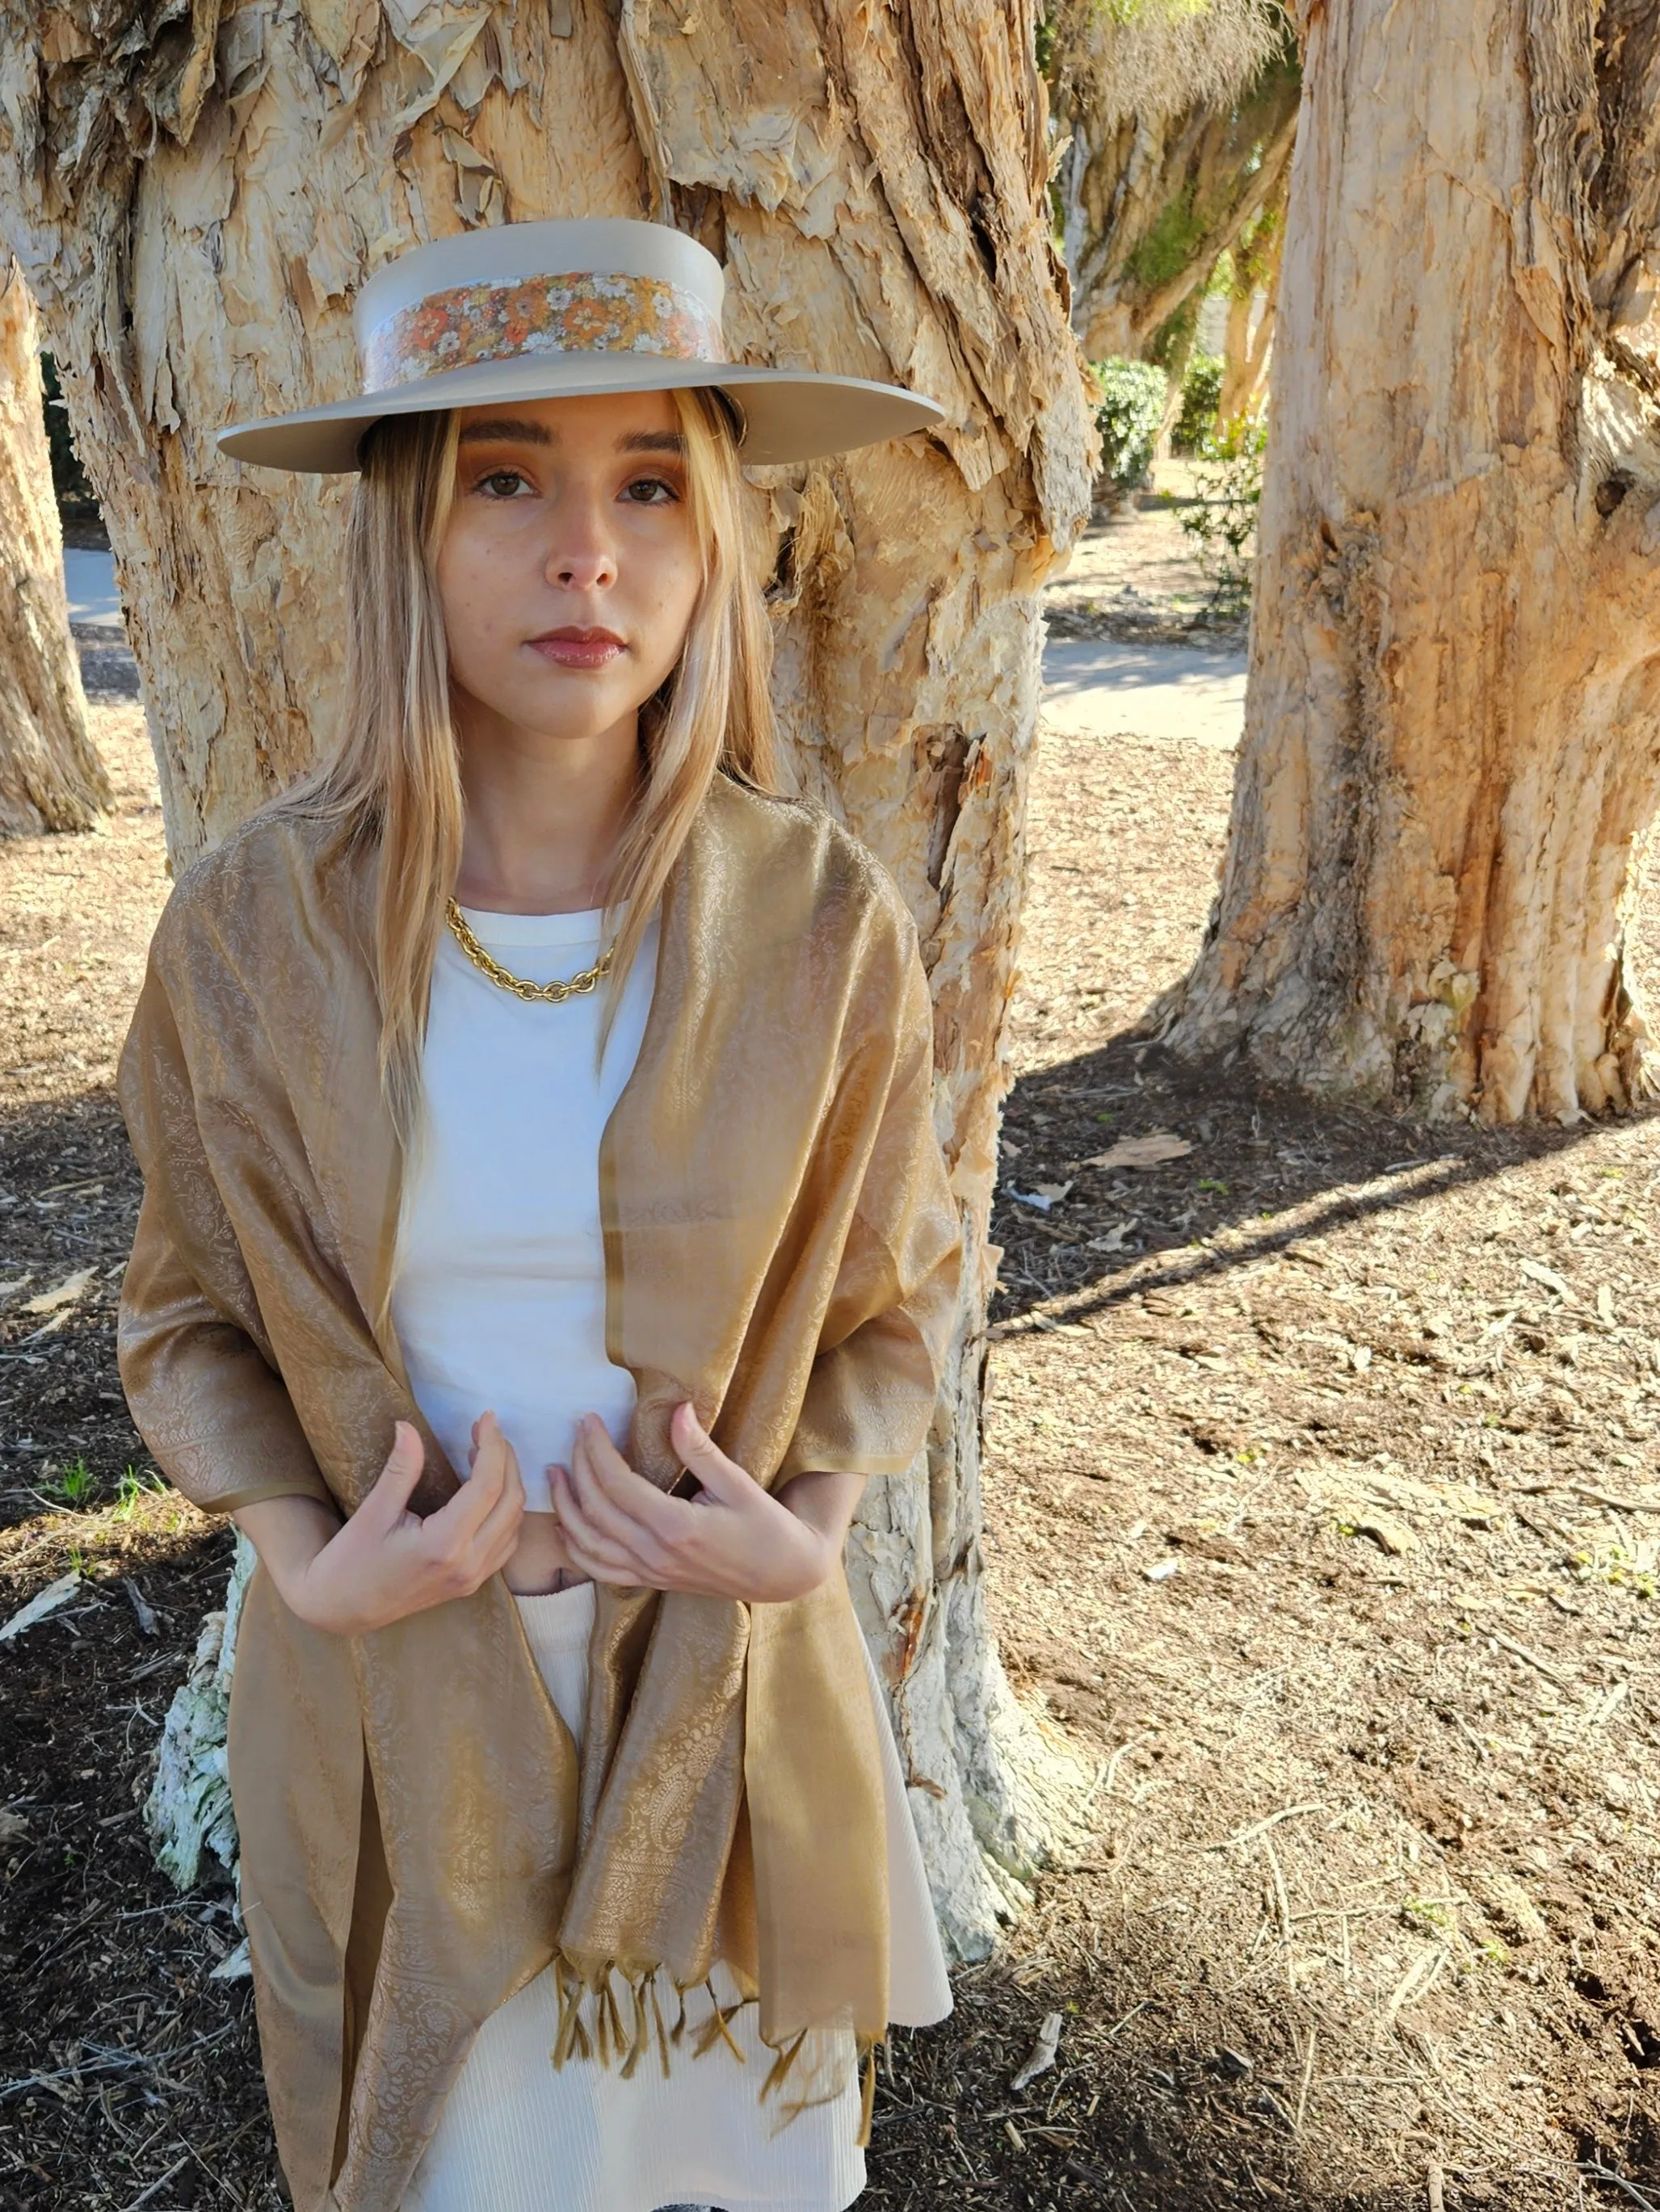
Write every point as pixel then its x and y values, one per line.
pixel 570 518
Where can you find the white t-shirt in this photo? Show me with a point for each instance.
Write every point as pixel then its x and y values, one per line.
pixel 499 1297
pixel 499 1301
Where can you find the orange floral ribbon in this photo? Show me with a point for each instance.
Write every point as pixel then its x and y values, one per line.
pixel 581 313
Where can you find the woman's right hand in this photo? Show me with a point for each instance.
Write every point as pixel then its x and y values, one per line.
pixel 386 1562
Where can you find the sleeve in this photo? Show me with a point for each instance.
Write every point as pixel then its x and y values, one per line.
pixel 881 1357
pixel 204 1389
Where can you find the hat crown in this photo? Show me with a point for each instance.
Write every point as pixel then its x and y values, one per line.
pixel 586 284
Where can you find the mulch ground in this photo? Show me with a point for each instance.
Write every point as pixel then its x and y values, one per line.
pixel 1322 1466
pixel 1137 575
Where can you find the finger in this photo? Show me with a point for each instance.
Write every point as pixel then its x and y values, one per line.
pixel 618 1502
pixel 589 1517
pixel 389 1497
pixel 724 1480
pixel 645 1505
pixel 459 1520
pixel 604 1566
pixel 500 1523
pixel 606 1557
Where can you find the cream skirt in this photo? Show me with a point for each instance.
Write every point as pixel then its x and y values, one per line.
pixel 518 2135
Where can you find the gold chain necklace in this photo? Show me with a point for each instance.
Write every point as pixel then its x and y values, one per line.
pixel 539 994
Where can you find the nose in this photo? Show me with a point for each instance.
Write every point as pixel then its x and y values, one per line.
pixel 581 557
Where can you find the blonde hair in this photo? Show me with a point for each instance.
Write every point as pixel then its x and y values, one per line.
pixel 395 776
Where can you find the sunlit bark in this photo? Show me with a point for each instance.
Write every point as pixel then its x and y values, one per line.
pixel 50 777
pixel 1453 739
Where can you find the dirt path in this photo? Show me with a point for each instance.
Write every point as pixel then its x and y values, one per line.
pixel 1321 1465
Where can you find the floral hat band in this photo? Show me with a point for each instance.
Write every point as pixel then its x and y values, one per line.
pixel 573 308
pixel 577 312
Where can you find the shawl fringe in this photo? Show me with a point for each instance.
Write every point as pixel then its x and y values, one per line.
pixel 594 2026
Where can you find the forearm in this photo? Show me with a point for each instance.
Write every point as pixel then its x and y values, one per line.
pixel 825 1503
pixel 287 1532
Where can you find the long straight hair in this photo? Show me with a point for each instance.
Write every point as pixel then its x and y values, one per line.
pixel 395 777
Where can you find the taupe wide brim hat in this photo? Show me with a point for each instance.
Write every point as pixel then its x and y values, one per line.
pixel 556 310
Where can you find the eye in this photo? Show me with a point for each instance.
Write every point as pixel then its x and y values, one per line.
pixel 502 483
pixel 649 484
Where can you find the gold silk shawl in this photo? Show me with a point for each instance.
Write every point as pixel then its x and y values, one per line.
pixel 419 1836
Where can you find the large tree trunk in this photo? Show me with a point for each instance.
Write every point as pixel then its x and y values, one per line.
pixel 51 778
pixel 875 185
pixel 1246 345
pixel 1453 739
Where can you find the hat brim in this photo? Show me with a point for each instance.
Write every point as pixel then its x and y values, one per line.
pixel 791 415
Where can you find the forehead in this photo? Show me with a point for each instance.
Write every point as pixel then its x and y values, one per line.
pixel 600 418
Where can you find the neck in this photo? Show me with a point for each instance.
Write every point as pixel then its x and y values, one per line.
pixel 543 814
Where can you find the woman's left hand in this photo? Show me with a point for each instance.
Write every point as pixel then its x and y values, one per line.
pixel 735 1541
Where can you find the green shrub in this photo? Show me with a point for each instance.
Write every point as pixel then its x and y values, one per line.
pixel 1201 388
pixel 74 494
pixel 1223 526
pixel 1127 416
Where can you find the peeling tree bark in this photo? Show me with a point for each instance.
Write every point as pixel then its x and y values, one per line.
pixel 197 208
pixel 1453 739
pixel 50 777
pixel 1246 351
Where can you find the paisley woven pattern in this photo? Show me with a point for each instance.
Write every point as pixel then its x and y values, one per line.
pixel 576 314
pixel 419 1836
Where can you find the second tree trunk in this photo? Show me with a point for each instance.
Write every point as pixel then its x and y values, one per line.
pixel 1452 741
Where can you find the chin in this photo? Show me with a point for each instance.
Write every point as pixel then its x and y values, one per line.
pixel 569 708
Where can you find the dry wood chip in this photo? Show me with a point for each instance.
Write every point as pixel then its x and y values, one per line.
pixel 1113 1239
pixel 1606 1498
pixel 1149 1151
pixel 1418 1980
pixel 1537 1272
pixel 1041 2056
pixel 42 1603
pixel 1211 1544
pixel 1391 1536
pixel 1045 1196
pixel 143 1613
pixel 1521 1651
pixel 62 1294
pixel 1508 1905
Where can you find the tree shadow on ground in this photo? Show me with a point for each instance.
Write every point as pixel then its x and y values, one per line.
pixel 127 2072
pixel 1241 1326
pixel 1172 2097
pixel 1271 1171
pixel 69 1199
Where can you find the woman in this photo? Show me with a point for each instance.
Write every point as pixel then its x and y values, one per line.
pixel 544 1237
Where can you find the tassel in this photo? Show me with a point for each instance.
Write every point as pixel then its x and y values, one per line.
pixel 610 2015
pixel 601 2021
pixel 715 2029
pixel 570 2014
pixel 780 2070
pixel 662 2032
pixel 867 2098
pixel 641 2028
pixel 679 2027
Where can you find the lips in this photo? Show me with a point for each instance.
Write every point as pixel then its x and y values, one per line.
pixel 572 647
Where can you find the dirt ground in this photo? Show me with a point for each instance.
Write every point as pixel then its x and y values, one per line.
pixel 1323 1492
pixel 1137 574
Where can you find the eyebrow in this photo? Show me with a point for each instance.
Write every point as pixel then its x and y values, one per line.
pixel 509 430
